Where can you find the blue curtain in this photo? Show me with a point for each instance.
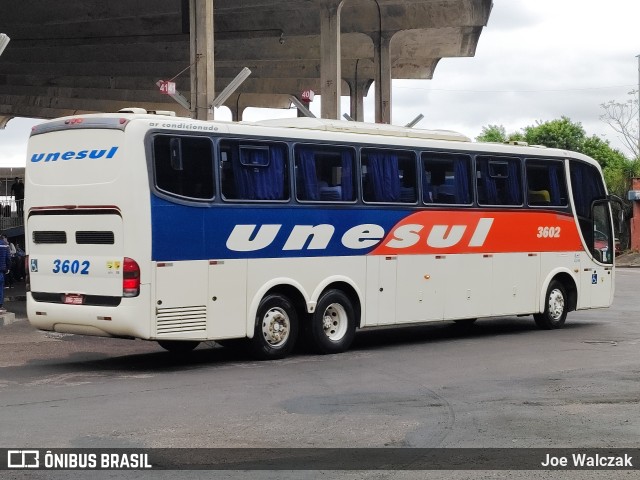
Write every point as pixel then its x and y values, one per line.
pixel 307 165
pixel 489 184
pixel 578 192
pixel 554 184
pixel 347 175
pixel 461 172
pixel 241 178
pixel 514 192
pixel 259 182
pixel 383 176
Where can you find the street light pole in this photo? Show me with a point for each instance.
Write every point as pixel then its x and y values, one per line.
pixel 638 57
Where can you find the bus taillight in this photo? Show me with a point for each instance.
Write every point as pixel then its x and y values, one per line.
pixel 130 278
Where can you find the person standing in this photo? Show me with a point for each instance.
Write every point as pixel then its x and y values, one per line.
pixel 5 268
pixel 17 189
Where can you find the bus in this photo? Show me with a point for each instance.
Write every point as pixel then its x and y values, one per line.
pixel 149 226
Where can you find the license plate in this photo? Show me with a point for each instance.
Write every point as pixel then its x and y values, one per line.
pixel 73 299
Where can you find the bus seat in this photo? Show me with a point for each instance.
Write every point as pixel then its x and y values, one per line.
pixel 407 194
pixel 539 197
pixel 331 193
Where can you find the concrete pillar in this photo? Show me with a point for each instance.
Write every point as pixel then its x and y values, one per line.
pixel 358 90
pixel 330 60
pixel 635 221
pixel 202 66
pixel 382 71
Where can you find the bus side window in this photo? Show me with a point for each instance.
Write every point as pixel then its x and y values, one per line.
pixel 324 173
pixel 389 176
pixel 498 180
pixel 254 170
pixel 183 166
pixel 446 178
pixel 546 185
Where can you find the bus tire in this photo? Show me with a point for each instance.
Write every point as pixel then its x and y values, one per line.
pixel 276 328
pixel 178 346
pixel 333 323
pixel 555 307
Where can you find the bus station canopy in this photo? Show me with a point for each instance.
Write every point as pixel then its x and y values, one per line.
pixel 67 57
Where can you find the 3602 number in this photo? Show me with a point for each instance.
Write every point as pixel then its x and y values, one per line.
pixel 71 266
pixel 548 232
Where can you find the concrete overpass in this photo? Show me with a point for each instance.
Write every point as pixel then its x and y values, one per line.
pixel 68 57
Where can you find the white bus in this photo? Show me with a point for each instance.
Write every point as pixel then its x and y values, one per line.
pixel 180 231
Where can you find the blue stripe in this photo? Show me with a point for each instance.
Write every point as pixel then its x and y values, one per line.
pixel 181 232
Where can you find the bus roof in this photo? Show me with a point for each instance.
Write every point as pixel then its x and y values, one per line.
pixel 362 127
pixel 305 126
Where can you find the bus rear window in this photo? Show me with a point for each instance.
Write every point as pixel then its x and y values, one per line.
pixel 183 166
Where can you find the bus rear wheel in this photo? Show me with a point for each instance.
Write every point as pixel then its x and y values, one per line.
pixel 276 328
pixel 555 308
pixel 333 324
pixel 178 346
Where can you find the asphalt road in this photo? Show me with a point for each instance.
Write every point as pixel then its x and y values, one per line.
pixel 498 383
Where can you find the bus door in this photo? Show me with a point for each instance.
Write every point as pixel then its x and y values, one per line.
pixel 597 280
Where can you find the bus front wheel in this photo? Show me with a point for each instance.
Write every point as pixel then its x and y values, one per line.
pixel 333 324
pixel 276 328
pixel 555 308
pixel 178 346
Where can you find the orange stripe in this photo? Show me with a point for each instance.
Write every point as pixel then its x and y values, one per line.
pixel 433 232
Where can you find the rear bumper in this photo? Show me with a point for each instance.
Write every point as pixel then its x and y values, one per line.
pixel 131 318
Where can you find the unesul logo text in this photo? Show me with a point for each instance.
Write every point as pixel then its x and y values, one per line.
pixel 73 155
pixel 244 238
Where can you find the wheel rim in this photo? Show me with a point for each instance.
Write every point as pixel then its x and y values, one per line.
pixel 556 304
pixel 335 321
pixel 276 327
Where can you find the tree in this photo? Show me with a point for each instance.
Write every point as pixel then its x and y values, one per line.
pixel 623 118
pixel 497 133
pixel 492 133
pixel 617 169
pixel 567 135
pixel 561 133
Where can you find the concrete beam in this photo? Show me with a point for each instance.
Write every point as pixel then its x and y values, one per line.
pixel 95 55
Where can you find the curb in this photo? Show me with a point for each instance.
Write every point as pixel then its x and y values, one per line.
pixel 7 319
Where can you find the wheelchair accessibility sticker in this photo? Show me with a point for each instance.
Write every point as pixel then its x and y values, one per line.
pixel 594 278
pixel 34 264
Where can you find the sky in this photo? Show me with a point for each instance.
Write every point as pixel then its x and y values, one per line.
pixel 535 61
